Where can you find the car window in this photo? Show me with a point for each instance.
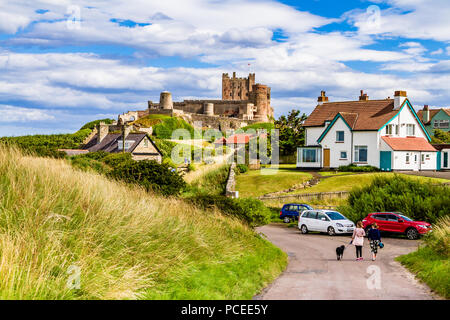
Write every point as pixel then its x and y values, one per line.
pixel 335 215
pixel 293 208
pixel 380 217
pixel 311 214
pixel 406 218
pixel 392 217
pixel 320 215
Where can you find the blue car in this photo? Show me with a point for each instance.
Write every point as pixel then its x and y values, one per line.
pixel 291 211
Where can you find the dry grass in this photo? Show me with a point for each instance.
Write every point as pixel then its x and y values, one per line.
pixel 128 244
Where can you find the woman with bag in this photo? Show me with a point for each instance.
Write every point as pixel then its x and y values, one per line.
pixel 358 240
pixel 375 240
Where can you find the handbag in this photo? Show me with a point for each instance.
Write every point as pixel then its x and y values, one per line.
pixel 381 245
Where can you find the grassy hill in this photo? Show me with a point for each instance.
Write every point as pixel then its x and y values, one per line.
pixel 128 244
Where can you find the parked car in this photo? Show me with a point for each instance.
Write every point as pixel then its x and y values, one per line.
pixel 291 211
pixel 397 222
pixel 328 221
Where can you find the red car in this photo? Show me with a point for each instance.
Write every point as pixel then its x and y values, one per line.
pixel 397 223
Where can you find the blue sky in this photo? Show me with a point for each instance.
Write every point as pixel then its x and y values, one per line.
pixel 64 64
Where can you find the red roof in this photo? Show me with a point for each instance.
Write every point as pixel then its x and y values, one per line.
pixel 240 138
pixel 408 144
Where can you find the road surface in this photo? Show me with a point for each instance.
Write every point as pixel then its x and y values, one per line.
pixel 314 273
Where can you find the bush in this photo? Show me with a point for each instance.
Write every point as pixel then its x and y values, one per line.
pixel 354 168
pixel 250 210
pixel 416 199
pixel 164 129
pixel 241 168
pixel 439 239
pixel 191 167
pixel 151 175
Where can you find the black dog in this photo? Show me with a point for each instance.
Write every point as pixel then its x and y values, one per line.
pixel 340 252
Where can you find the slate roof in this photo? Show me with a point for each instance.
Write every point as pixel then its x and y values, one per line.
pixel 408 144
pixel 110 144
pixel 360 115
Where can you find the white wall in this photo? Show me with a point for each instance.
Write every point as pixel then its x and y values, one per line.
pixel 312 134
pixel 405 117
pixel 369 139
pixel 329 142
pixel 399 161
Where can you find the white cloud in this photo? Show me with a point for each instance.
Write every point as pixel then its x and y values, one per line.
pixel 17 114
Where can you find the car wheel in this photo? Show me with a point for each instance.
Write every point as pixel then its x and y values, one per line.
pixel 412 234
pixel 304 229
pixel 286 220
pixel 331 231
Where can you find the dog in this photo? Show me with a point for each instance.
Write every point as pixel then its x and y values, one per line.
pixel 340 252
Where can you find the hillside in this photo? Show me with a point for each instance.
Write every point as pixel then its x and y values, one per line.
pixel 127 243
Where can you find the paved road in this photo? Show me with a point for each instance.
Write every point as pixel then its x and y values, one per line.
pixel 430 174
pixel 314 273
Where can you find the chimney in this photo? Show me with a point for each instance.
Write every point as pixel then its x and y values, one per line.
pixel 103 130
pixel 363 96
pixel 426 114
pixel 323 98
pixel 399 98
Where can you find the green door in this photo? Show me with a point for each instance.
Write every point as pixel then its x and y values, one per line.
pixel 438 158
pixel 445 159
pixel 386 160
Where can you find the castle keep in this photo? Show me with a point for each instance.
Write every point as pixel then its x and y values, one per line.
pixel 243 101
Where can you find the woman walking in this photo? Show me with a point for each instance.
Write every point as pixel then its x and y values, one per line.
pixel 358 240
pixel 375 239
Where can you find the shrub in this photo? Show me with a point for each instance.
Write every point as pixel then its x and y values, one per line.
pixel 417 199
pixel 191 167
pixel 164 129
pixel 151 175
pixel 250 210
pixel 241 168
pixel 354 168
pixel 439 239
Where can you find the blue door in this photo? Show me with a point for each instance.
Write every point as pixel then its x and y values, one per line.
pixel 386 160
pixel 438 158
pixel 445 159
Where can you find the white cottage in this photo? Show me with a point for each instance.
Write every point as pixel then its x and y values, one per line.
pixel 382 133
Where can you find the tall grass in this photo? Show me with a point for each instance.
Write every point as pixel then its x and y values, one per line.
pixel 128 244
pixel 431 262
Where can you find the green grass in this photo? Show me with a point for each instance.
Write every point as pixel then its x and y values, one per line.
pixel 431 268
pixel 333 173
pixel 260 125
pixel 255 184
pixel 129 244
pixel 347 182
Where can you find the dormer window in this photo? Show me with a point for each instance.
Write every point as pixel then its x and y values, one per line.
pixel 128 144
pixel 410 130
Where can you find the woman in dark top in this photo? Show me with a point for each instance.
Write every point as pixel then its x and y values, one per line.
pixel 375 239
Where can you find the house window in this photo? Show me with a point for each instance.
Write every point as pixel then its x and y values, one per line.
pixel 309 155
pixel 343 155
pixel 360 153
pixel 339 136
pixel 128 144
pixel 389 128
pixel 146 143
pixel 407 158
pixel 396 129
pixel 410 129
pixel 441 124
pixel 423 158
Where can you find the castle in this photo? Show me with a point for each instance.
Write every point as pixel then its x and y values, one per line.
pixel 243 102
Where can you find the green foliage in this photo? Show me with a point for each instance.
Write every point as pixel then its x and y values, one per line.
pixel 213 182
pixel 164 128
pixel 151 120
pixel 354 168
pixel 250 210
pixel 150 175
pixel 191 167
pixel 292 133
pixel 48 145
pixel 440 136
pixel 268 126
pixel 165 146
pixel 91 125
pixel 416 199
pixel 241 168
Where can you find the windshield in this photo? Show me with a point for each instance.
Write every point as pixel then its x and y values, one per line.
pixel 405 217
pixel 335 215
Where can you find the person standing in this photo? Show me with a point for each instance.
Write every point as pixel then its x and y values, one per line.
pixel 375 239
pixel 358 240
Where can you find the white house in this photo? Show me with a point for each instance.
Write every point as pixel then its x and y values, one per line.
pixel 443 156
pixel 382 133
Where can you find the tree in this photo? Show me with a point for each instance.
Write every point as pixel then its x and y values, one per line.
pixel 292 133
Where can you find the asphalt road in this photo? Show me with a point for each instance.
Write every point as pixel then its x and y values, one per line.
pixel 314 273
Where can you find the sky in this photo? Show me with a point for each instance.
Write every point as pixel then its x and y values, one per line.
pixel 64 63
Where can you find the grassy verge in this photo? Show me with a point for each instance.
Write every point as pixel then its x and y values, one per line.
pixel 255 184
pixel 128 244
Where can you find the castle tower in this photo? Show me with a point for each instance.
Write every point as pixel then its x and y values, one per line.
pixel 208 109
pixel 261 99
pixel 165 101
pixel 237 89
